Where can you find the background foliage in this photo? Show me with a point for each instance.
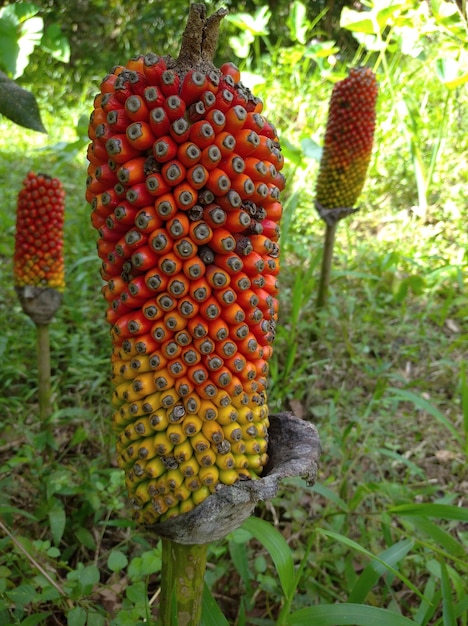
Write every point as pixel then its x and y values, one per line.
pixel 382 371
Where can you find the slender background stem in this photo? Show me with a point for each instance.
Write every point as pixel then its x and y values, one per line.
pixel 43 366
pixel 326 264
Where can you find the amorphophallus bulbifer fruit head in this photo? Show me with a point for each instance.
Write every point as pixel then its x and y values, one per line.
pixel 184 183
pixel 349 137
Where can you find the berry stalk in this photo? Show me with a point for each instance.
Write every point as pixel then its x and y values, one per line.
pixel 182 584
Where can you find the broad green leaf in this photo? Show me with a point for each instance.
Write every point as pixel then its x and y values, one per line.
pixel 371 42
pixel 54 553
pixel 88 577
pixel 55 42
pixel 211 613
pixel 311 149
pixel 368 26
pixel 118 523
pixel 22 11
pixel 20 32
pixel 374 570
pixel 274 542
pixel 19 105
pixel 36 619
pixel 256 24
pixel 136 593
pixel 76 617
pixel 9 48
pixel 441 511
pixel 86 538
pixel 150 562
pixel 451 73
pixel 356 21
pixel 144 565
pixel 117 560
pixel 297 22
pixel 356 546
pixel 22 595
pixel 343 614
pixel 448 610
pixel 292 153
pixel 241 44
pixel 321 49
pixel 57 520
pixel 96 619
pixel 448 16
pixel 79 436
pixel 31 35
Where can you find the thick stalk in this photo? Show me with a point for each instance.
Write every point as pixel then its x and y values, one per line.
pixel 182 581
pixel 326 264
pixel 43 366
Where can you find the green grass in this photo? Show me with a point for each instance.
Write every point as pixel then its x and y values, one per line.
pixel 381 371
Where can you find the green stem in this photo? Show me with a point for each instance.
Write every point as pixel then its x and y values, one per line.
pixel 183 575
pixel 43 366
pixel 326 264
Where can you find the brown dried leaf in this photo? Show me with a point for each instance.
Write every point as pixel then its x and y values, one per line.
pixel 445 456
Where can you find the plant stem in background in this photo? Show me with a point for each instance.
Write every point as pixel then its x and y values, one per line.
pixel 43 366
pixel 182 584
pixel 325 270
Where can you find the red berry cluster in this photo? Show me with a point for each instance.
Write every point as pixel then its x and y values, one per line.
pixel 184 182
pixel 348 141
pixel 38 257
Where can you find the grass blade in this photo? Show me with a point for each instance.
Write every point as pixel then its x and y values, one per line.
pixel 239 557
pixel 6 509
pixel 464 398
pixel 355 546
pixel 374 570
pixel 342 614
pixel 211 613
pixel 417 471
pixel 425 612
pixel 274 542
pixel 442 511
pixel 461 608
pixel 286 608
pixel 423 405
pixel 447 604
pixel 329 494
pixel 440 536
